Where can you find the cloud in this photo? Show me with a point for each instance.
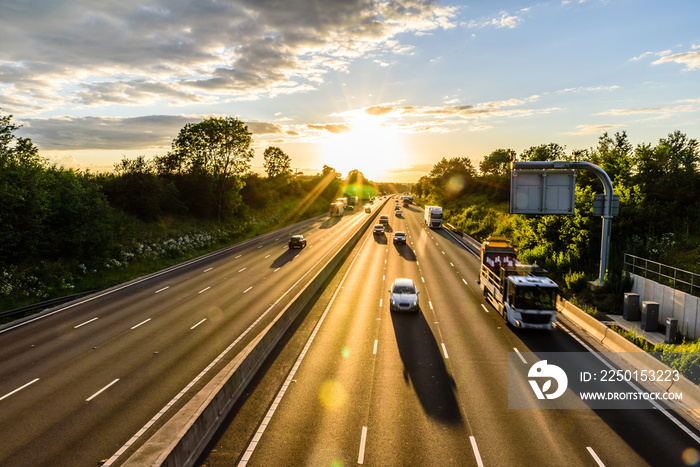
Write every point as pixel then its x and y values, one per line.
pixel 335 128
pixel 591 129
pixel 131 52
pixel 505 20
pixel 656 113
pixel 691 59
pixel 481 110
pixel 614 87
pixel 131 133
pixel 264 128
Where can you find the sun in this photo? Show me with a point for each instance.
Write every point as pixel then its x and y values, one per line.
pixel 370 147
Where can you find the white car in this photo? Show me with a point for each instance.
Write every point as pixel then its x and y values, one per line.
pixel 378 229
pixel 404 296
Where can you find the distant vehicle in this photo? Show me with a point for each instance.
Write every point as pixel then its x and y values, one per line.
pixel 352 200
pixel 344 201
pixel 384 219
pixel 398 213
pixel 297 241
pixel 350 207
pixel 433 217
pixel 378 229
pixel 404 296
pixel 399 238
pixel 336 209
pixel 523 294
pixel 368 209
pixel 396 206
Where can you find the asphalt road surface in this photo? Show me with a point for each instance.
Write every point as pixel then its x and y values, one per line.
pixel 358 384
pixel 79 383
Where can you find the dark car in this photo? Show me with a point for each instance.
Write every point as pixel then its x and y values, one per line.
pixel 297 241
pixel 384 219
pixel 399 237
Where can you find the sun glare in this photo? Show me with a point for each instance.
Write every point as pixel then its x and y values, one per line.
pixel 371 148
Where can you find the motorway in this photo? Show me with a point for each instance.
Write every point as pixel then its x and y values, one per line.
pixel 358 385
pixel 81 384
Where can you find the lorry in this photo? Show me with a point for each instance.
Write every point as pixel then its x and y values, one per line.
pixel 352 200
pixel 336 209
pixel 344 201
pixel 522 294
pixel 433 217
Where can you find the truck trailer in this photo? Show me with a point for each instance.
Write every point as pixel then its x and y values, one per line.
pixel 336 209
pixel 522 294
pixel 433 217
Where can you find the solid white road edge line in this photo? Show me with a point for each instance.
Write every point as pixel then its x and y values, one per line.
pixel 102 390
pixel 261 429
pixel 363 440
pixel 19 389
pixel 595 456
pixel 520 355
pixel 177 397
pixel 475 448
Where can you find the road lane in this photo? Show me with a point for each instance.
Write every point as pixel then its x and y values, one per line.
pixel 432 388
pixel 132 350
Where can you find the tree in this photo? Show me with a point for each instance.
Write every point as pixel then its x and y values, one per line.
pixel 355 177
pixel 276 162
pixel 497 163
pixel 23 201
pixel 452 178
pixel 615 157
pixel 544 152
pixel 215 153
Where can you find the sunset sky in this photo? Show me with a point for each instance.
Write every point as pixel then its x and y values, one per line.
pixel 387 87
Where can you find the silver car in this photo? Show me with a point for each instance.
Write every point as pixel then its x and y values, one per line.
pixel 404 296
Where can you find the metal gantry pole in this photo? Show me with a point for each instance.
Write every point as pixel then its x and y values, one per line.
pixel 607 206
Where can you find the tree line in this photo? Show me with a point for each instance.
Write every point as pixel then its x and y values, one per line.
pixel 658 185
pixel 58 223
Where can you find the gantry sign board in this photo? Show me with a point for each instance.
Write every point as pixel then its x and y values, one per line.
pixel 542 191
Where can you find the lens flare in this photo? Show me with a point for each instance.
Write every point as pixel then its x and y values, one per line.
pixel 332 394
pixel 691 456
pixel 455 185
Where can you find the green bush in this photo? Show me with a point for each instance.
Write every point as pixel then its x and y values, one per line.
pixel 575 281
